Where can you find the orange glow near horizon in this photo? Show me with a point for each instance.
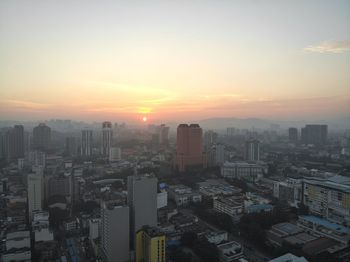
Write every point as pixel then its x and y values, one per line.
pixel 144 119
pixel 166 61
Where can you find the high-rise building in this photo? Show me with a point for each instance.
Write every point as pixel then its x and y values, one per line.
pixel 293 134
pixel 328 197
pixel 13 142
pixel 163 134
pixel 216 155
pixel 107 136
pixel 210 138
pixel 115 233
pixel 314 134
pixel 35 194
pixel 86 142
pixel 142 201
pixel 115 154
pixel 60 185
pixel 252 150
pixel 150 245
pixel 189 147
pixel 71 146
pixel 41 137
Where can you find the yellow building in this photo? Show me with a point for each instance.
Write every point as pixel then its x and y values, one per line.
pixel 150 245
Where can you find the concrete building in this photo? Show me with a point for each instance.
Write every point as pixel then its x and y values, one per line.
pixel 18 247
pixel 115 154
pixel 189 147
pixel 94 228
pixel 250 172
pixel 288 258
pixel 322 227
pixel 35 194
pixel 41 137
pixel 210 138
pixel 252 150
pixel 107 136
pixel 230 252
pixel 182 195
pixel 150 245
pixel 60 185
pixel 216 155
pixel 71 147
pixel 293 134
pixel 289 190
pixel 40 226
pixel 216 237
pixel 13 143
pixel 143 210
pixel 232 206
pixel 314 134
pixel 37 158
pixel 162 199
pixel 86 142
pixel 115 233
pixel 328 197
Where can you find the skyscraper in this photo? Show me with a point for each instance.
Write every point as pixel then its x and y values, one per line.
pixel 86 142
pixel 252 150
pixel 107 136
pixel 163 134
pixel 35 193
pixel 314 134
pixel 189 147
pixel 210 138
pixel 71 146
pixel 115 233
pixel 150 245
pixel 13 142
pixel 293 134
pixel 142 201
pixel 41 137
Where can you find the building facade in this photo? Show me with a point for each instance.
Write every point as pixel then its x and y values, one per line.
pixel 107 136
pixel 142 201
pixel 115 233
pixel 314 134
pixel 35 194
pixel 189 147
pixel 86 143
pixel 328 197
pixel 41 137
pixel 251 172
pixel 293 134
pixel 150 245
pixel 252 150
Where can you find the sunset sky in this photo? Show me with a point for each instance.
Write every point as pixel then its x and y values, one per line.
pixel 174 60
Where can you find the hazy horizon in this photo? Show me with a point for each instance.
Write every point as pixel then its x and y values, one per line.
pixel 174 60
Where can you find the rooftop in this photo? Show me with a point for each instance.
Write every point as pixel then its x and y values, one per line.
pixel 327 224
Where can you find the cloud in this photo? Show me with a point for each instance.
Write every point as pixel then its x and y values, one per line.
pixel 335 47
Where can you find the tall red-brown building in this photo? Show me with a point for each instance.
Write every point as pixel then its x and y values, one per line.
pixel 189 147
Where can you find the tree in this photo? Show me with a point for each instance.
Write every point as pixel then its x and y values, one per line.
pixel 188 239
pixel 207 251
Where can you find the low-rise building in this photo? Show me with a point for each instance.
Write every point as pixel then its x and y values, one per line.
pixel 328 197
pixel 251 172
pixel 323 227
pixel 288 258
pixel 183 195
pixel 229 252
pixel 232 206
pixel 216 237
pixel 94 228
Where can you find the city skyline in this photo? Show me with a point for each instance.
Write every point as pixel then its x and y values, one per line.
pixel 174 60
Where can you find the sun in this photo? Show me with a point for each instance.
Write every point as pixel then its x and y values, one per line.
pixel 144 119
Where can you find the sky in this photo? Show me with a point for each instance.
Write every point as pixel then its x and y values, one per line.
pixel 174 60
